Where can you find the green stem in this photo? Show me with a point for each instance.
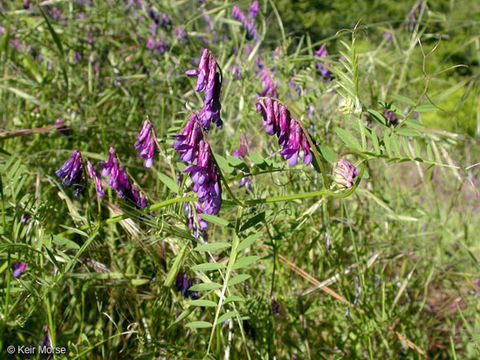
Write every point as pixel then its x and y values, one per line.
pixel 165 203
pixel 153 207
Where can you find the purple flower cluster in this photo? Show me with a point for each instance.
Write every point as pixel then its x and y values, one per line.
pixel 208 80
pixel 71 173
pixel 146 143
pixel 18 269
pixel 391 117
pixel 183 284
pixel 322 53
pixel 187 142
pixel 269 88
pixel 118 180
pixel 345 174
pixel 277 121
pixel 254 9
pixel 247 23
pixel 206 181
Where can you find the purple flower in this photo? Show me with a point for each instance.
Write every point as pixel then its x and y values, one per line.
pixel 201 71
pixel 345 174
pixel 477 291
pixel 275 306
pixel 277 121
pixel 242 150
pixel 249 25
pixel 183 284
pixel 62 129
pixel 71 173
pixel 18 269
pixel 322 53
pixel 254 9
pixel 187 142
pixel 209 81
pixel 46 340
pixel 93 174
pixel 180 34
pixel 25 219
pixel 268 84
pixel 146 143
pixel 165 22
pixel 77 57
pixel 235 71
pixel 192 224
pixel 391 117
pixel 150 44
pixel 206 182
pixel 118 181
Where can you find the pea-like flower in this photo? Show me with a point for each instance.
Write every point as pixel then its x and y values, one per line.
pixel 248 24
pixel 18 269
pixel 146 143
pixel 269 88
pixel 94 176
pixel 254 9
pixel 187 142
pixel 183 284
pixel 208 80
pixel 71 173
pixel 277 121
pixel 322 53
pixel 118 181
pixel 206 181
pixel 345 174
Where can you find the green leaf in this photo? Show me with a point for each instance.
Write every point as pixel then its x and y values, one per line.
pixel 212 247
pixel 414 124
pixel 348 139
pixel 404 100
pixel 238 164
pixel 256 158
pixel 214 220
pixel 224 165
pixel 395 146
pixel 233 298
pixel 169 182
pixel 386 143
pixel 328 154
pixel 238 279
pixel 254 220
pixel 248 241
pixel 430 153
pixel 406 148
pixel 378 116
pixel 375 142
pixel 245 261
pixel 66 243
pixel 204 303
pixel 208 267
pixel 205 287
pixel 199 325
pixel 425 108
pixel 22 94
pixel 416 147
pixel 172 273
pixel 226 316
